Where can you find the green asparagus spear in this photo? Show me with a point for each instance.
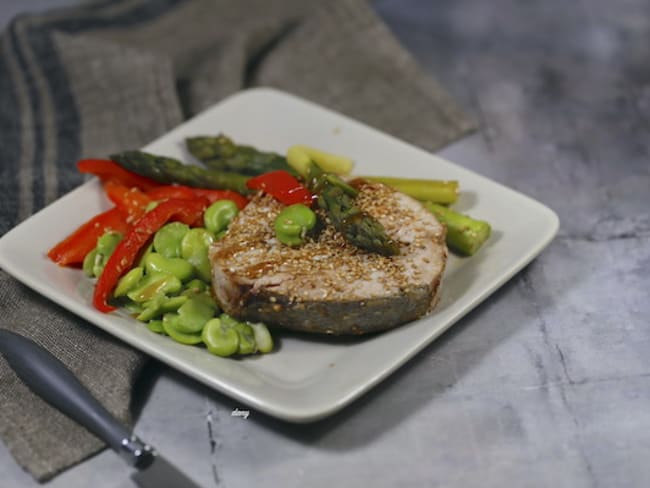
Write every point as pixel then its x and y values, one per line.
pixel 465 235
pixel 221 153
pixel 169 170
pixel 438 191
pixel 359 228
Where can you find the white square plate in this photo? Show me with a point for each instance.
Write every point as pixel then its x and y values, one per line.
pixel 306 378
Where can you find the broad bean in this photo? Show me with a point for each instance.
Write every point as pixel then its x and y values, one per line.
pixel 292 224
pixel 128 282
pixel 106 243
pixel 167 241
pixel 153 285
pixel 95 260
pixel 263 339
pixel 194 286
pixel 156 326
pixel 157 263
pixel 160 305
pixel 170 325
pixel 246 338
pixel 194 314
pixel 220 339
pixel 245 332
pixel 144 254
pixel 89 263
pixel 194 248
pixel 218 216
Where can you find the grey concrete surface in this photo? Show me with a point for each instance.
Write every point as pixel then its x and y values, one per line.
pixel 548 382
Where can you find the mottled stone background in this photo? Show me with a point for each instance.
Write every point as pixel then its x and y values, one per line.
pixel 548 382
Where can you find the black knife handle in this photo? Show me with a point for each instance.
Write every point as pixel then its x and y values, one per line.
pixel 51 380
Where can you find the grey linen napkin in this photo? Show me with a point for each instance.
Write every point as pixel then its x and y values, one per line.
pixel 87 81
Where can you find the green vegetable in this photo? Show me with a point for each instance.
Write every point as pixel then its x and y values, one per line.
pixel 263 338
pixel 217 217
pixel 194 286
pixel 300 157
pixel 194 248
pixel 153 285
pixel 167 241
pixel 228 320
pixel 195 313
pixel 172 304
pixel 148 250
pixel 132 307
pixel 106 244
pixel 156 326
pixel 94 262
pixel 465 235
pixel 244 330
pixel 150 311
pixel 221 153
pixel 438 191
pixel 358 227
pixel 169 170
pixel 89 263
pixel 246 338
pixel 157 263
pixel 170 323
pixel 128 282
pixel 159 305
pixel 220 339
pixel 292 224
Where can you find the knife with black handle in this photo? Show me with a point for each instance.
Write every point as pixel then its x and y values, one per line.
pixel 51 380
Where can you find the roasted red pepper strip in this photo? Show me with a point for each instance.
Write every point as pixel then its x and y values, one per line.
pixel 73 249
pixel 171 191
pixel 105 170
pixel 127 251
pixel 131 200
pixel 215 195
pixel 281 185
pixel 181 191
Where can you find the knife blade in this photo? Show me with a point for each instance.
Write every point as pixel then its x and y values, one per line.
pixel 51 380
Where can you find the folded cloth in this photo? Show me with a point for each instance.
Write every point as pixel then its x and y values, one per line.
pixel 87 81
